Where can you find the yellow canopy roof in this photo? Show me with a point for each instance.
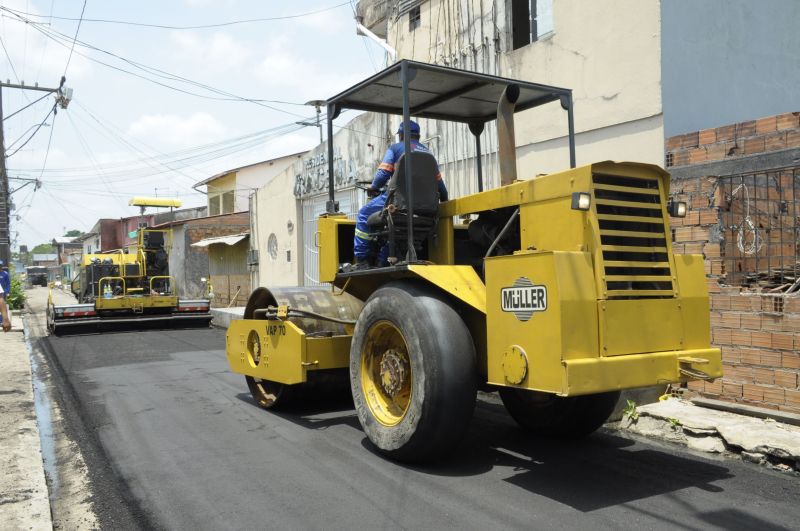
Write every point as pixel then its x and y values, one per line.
pixel 155 202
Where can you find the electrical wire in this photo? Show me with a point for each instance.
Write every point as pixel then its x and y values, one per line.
pixel 164 26
pixel 46 42
pixel 85 145
pixel 10 62
pixel 189 156
pixel 62 39
pixel 753 244
pixel 75 38
pixel 22 109
pixel 52 110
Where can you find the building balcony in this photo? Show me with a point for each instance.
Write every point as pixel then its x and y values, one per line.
pixel 374 15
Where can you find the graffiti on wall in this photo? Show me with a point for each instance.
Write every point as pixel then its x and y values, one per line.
pixel 314 177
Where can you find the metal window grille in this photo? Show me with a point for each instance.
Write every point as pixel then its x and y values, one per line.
pixel 760 226
pixel 350 200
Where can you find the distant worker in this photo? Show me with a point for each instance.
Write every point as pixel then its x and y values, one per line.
pixel 5 284
pixel 4 314
pixel 364 242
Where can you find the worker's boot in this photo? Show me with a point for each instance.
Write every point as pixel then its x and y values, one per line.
pixel 360 264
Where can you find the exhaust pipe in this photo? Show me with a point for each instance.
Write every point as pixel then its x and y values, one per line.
pixel 506 147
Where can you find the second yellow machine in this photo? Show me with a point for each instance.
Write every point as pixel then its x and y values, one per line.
pixel 129 287
pixel 559 290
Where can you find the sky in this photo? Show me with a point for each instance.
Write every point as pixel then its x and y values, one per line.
pixel 193 102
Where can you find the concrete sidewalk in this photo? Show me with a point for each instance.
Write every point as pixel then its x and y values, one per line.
pixel 223 316
pixel 24 501
pixel 760 440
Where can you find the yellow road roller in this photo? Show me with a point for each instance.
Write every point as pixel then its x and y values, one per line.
pixel 557 290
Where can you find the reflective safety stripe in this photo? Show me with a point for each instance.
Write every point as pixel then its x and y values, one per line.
pixel 386 166
pixel 364 235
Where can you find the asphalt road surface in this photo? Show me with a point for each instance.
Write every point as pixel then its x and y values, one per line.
pixel 182 438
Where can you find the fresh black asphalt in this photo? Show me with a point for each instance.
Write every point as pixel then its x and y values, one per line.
pixel 183 446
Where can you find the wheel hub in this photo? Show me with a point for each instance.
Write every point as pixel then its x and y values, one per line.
pixel 392 372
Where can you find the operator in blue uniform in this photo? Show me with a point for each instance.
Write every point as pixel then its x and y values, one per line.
pixel 364 242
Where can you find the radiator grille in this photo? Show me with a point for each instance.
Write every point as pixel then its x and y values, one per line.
pixel 633 237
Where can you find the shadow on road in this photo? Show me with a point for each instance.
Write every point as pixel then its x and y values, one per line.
pixel 315 412
pixel 600 471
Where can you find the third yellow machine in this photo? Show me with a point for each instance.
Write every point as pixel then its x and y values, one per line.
pixel 559 291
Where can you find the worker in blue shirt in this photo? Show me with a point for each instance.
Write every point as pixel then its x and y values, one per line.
pixel 5 283
pixel 363 243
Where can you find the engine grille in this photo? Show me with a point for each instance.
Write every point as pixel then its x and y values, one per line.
pixel 633 237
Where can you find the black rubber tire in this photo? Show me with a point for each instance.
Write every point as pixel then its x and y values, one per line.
pixel 551 415
pixel 267 393
pixel 271 395
pixel 443 372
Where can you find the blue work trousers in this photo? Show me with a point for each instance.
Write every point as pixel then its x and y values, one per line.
pixel 364 242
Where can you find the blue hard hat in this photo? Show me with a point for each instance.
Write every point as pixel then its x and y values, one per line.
pixel 414 126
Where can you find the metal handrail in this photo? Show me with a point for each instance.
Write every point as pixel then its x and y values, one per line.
pixel 168 277
pixel 109 279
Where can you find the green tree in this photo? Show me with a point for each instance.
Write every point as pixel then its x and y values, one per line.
pixel 43 248
pixel 73 233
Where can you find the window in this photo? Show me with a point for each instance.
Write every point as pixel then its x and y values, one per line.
pixel 414 18
pixel 214 205
pixel 227 202
pixel 223 203
pixel 530 20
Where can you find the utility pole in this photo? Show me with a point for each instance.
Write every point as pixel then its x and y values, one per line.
pixel 62 99
pixel 318 124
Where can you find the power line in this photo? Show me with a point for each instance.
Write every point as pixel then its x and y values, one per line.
pixel 59 38
pixel 191 155
pixel 163 26
pixel 22 109
pixel 10 62
pixel 80 20
pixel 52 110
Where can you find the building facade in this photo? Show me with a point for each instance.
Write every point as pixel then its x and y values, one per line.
pixel 627 63
pixel 230 191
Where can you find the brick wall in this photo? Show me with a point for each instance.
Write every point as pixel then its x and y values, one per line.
pixel 764 135
pixel 757 326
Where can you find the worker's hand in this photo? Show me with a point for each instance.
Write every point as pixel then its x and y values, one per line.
pixel 6 325
pixel 373 192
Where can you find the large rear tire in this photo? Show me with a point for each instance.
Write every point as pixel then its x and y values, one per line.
pixel 551 415
pixel 412 372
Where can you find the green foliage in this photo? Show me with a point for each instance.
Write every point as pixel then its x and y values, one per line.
pixel 630 411
pixel 674 423
pixel 16 299
pixel 43 248
pixel 73 233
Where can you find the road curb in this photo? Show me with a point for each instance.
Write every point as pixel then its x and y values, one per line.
pixel 762 441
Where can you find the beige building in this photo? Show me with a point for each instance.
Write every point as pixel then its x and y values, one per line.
pixel 230 191
pixel 639 71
